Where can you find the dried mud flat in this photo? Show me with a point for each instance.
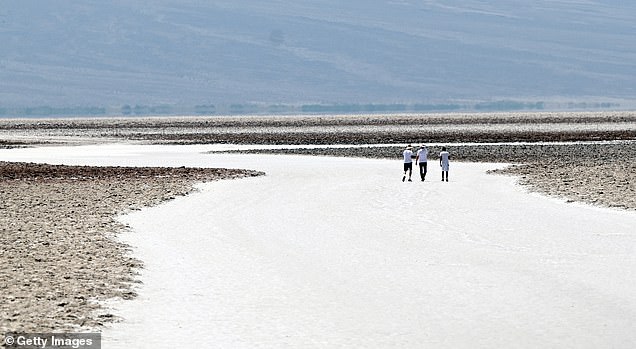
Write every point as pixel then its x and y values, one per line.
pixel 59 254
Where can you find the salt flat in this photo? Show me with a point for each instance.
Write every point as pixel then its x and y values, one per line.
pixel 337 252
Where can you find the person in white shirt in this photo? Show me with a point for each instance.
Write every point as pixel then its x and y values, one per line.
pixel 444 158
pixel 408 162
pixel 421 160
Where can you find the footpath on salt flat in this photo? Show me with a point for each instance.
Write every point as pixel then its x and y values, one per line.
pixel 335 252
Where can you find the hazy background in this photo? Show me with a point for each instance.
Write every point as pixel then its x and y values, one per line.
pixel 127 54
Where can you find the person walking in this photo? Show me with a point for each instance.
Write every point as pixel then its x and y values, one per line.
pixel 421 160
pixel 408 162
pixel 444 158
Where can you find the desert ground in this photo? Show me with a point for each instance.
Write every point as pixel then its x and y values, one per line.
pixel 70 210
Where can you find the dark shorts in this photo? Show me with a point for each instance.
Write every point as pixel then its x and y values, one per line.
pixel 408 166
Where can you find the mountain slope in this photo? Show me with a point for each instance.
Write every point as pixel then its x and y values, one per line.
pixel 185 52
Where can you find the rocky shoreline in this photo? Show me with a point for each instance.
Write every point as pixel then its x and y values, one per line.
pixel 60 258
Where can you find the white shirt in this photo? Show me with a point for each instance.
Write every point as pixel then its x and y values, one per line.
pixel 408 154
pixel 422 155
pixel 444 156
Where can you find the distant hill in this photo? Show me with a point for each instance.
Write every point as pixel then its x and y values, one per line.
pixel 121 53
